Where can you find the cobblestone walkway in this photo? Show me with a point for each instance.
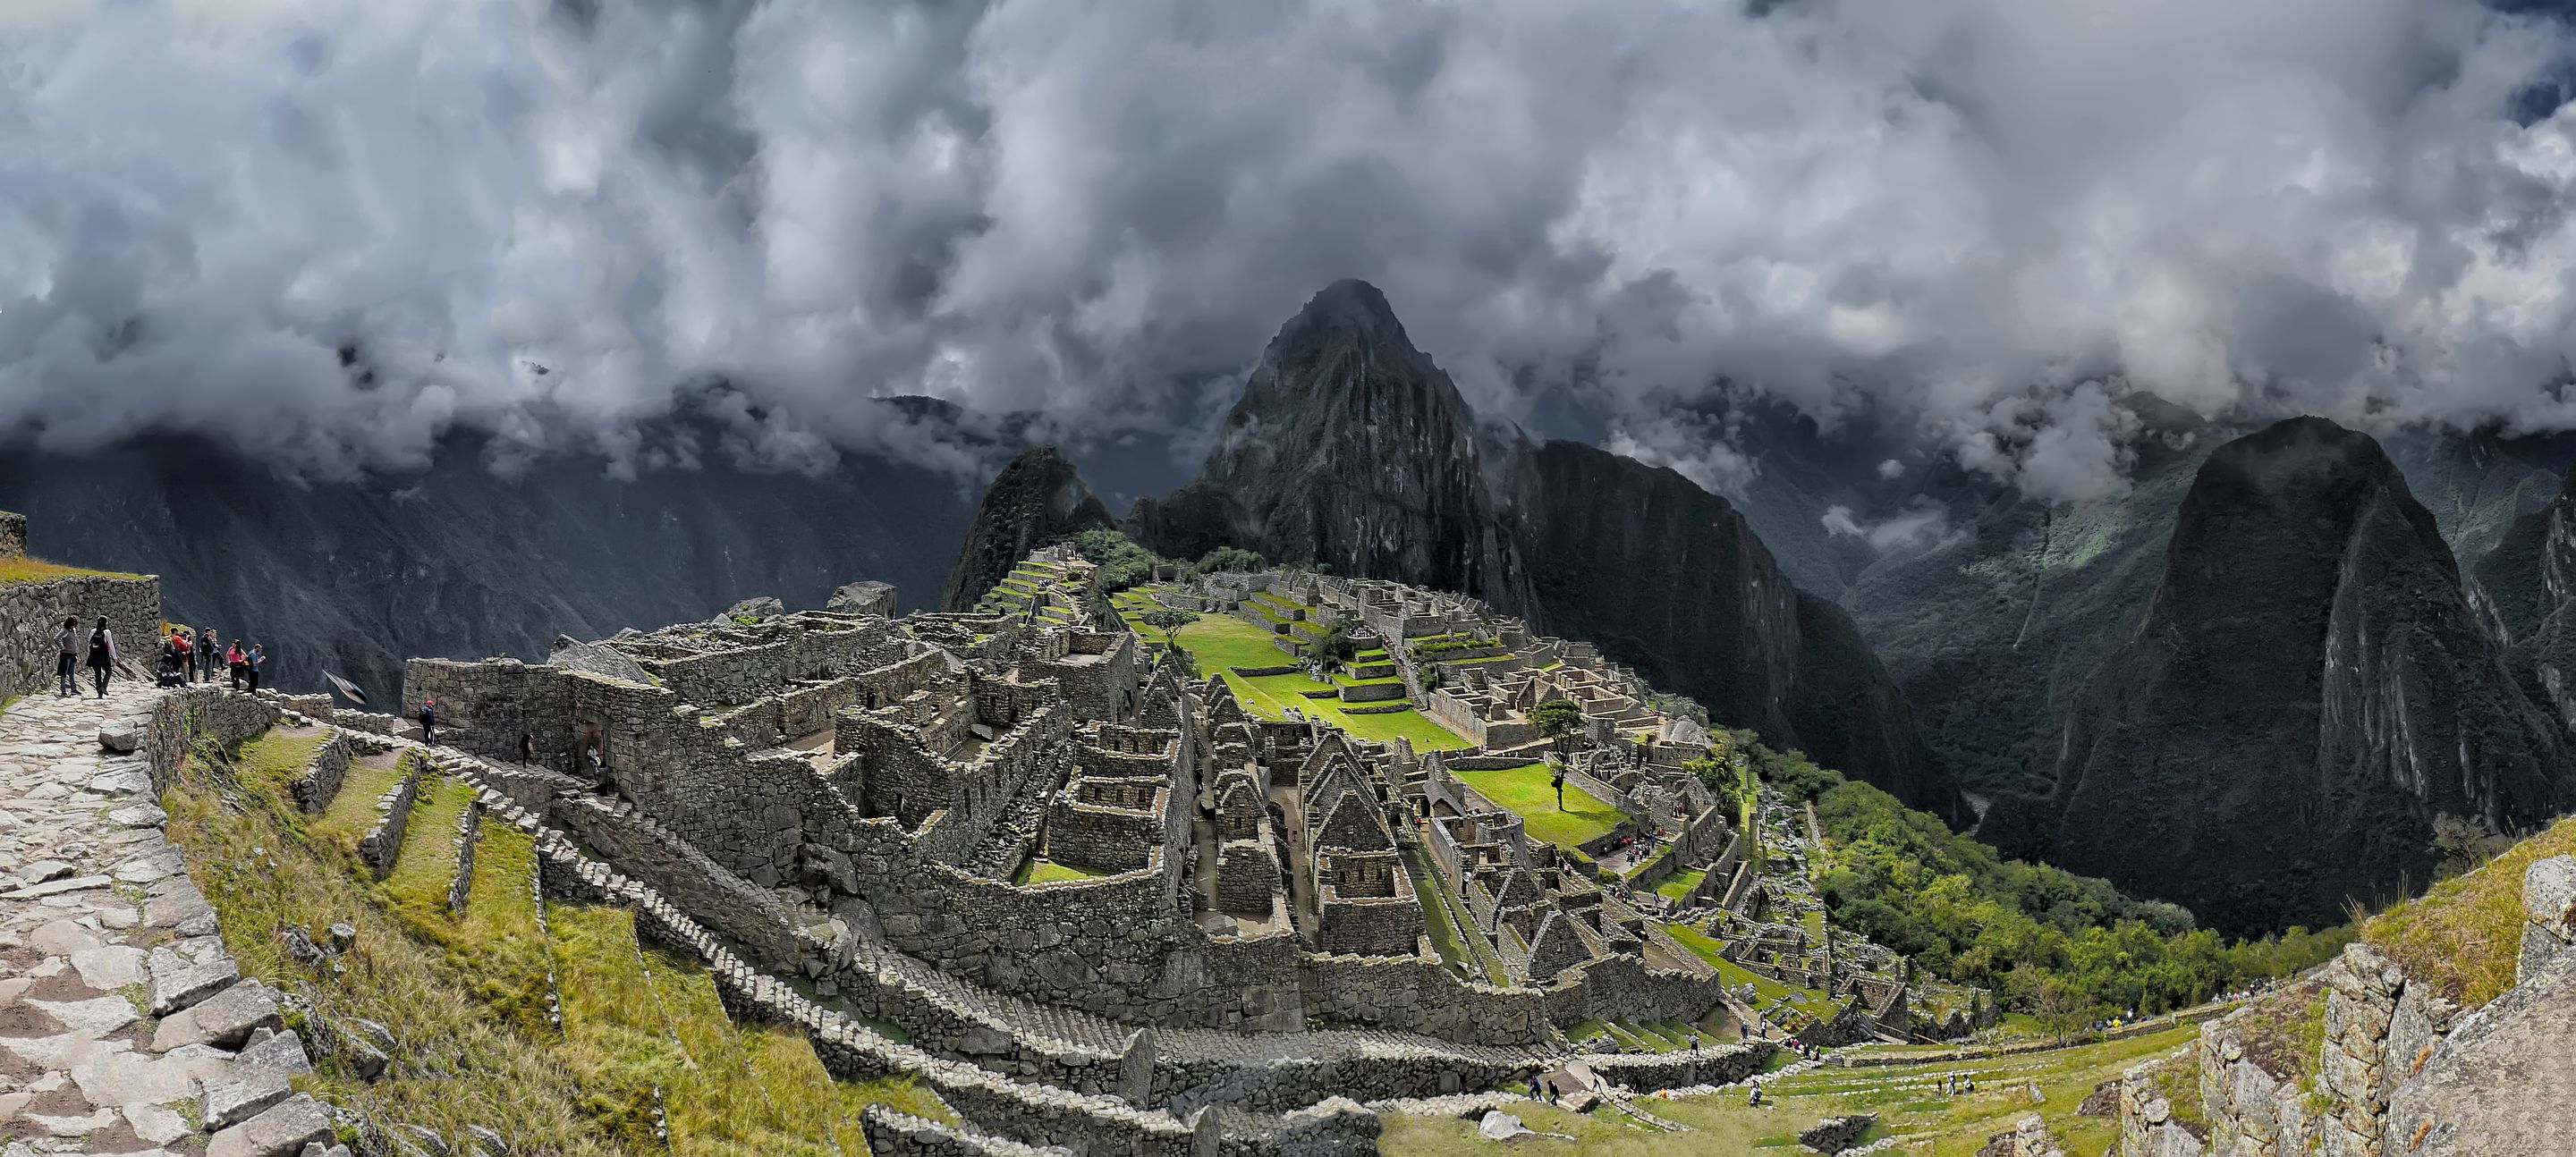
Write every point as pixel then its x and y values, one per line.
pixel 123 1025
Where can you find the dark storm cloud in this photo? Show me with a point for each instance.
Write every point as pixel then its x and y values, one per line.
pixel 1989 216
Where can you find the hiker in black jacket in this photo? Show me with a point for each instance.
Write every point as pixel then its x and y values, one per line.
pixel 102 655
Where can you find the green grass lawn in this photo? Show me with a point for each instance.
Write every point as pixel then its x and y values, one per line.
pixel 1222 642
pixel 1679 884
pixel 1526 791
pixel 1035 870
pixel 1906 1098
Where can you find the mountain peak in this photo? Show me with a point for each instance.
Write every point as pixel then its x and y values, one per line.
pixel 1349 312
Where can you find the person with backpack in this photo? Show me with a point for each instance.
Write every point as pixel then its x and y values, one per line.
pixel 102 655
pixel 235 659
pixel 251 662
pixel 67 664
pixel 429 722
pixel 209 652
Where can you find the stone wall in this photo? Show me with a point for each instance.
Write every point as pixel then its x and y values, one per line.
pixel 31 623
pixel 2401 1069
pixel 752 918
pixel 321 779
pixel 13 535
pixel 221 717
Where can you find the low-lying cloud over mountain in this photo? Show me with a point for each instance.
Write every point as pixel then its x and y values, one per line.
pixel 331 231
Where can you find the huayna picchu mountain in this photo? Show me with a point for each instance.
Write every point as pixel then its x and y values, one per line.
pixel 1351 448
pixel 2307 691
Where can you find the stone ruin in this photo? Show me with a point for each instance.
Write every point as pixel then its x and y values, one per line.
pixel 1043 852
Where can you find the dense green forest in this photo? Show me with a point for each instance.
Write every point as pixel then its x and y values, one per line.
pixel 2064 947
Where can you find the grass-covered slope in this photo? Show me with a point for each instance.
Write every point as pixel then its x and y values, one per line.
pixel 468 999
pixel 2464 934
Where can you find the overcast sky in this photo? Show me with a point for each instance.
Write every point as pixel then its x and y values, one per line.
pixel 1987 216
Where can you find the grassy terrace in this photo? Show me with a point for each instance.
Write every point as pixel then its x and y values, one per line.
pixel 1907 1099
pixel 1526 791
pixel 1766 990
pixel 1222 642
pixel 2465 933
pixel 1038 870
pixel 466 996
pixel 33 570
pixel 1679 884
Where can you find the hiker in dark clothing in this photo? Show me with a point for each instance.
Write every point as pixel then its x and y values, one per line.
pixel 251 663
pixel 429 721
pixel 67 664
pixel 102 655
pixel 209 653
pixel 527 749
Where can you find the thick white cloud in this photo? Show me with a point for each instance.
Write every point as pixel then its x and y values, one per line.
pixel 1960 210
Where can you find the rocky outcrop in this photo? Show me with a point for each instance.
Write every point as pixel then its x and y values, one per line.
pixel 2307 690
pixel 1352 449
pixel 2397 1069
pixel 1035 499
pixel 2494 1084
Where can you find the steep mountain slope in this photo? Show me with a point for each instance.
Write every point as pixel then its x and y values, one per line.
pixel 1351 448
pixel 1989 631
pixel 1348 446
pixel 456 560
pixel 1036 498
pixel 2530 583
pixel 2307 689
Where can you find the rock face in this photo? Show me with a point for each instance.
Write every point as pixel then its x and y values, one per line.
pixel 1351 448
pixel 2306 691
pixel 1037 497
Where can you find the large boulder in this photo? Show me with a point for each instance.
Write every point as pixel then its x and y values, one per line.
pixel 865 597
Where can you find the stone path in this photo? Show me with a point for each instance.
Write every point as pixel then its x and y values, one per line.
pixel 124 1027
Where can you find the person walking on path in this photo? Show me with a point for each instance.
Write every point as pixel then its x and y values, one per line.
pixel 429 722
pixel 252 661
pixel 102 655
pixel 527 749
pixel 233 659
pixel 67 664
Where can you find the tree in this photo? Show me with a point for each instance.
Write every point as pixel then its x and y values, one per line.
pixel 1169 621
pixel 1226 558
pixel 1558 720
pixel 1335 649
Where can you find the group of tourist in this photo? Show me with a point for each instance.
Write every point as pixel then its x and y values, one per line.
pixel 185 658
pixel 188 656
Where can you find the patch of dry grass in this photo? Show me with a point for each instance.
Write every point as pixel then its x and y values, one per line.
pixel 2465 933
pixel 36 570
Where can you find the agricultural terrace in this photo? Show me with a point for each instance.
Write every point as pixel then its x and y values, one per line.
pixel 1221 642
